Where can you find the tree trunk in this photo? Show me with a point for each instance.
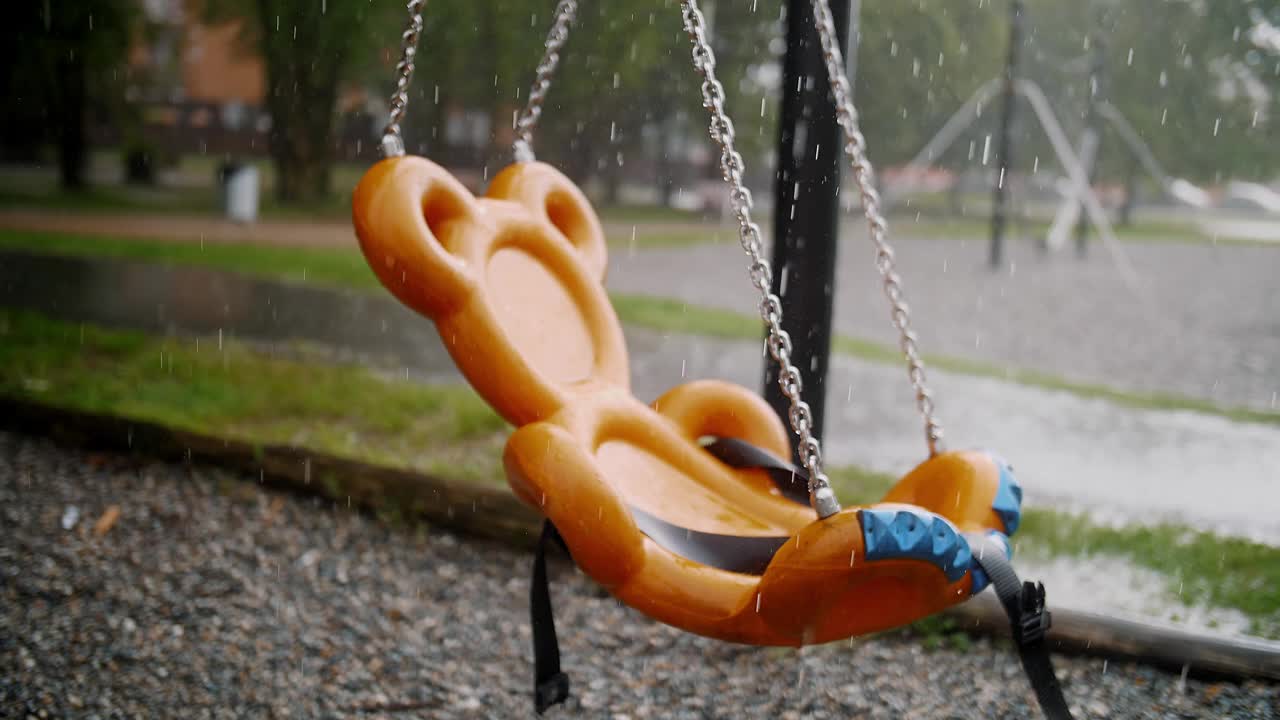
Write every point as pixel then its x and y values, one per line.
pixel 1130 194
pixel 73 146
pixel 302 94
pixel 301 179
pixel 612 183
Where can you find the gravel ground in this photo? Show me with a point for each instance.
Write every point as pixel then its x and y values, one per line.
pixel 1206 325
pixel 214 597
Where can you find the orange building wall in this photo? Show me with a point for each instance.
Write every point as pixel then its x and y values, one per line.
pixel 217 67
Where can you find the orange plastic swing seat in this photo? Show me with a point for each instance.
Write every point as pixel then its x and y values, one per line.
pixel 514 284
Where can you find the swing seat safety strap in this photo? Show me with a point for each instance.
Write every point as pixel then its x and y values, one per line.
pixel 1029 620
pixel 550 685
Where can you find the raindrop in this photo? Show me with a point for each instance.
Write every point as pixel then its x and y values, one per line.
pixel 70 517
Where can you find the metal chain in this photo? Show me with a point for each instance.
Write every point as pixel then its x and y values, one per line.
pixel 864 176
pixel 392 142
pixel 527 121
pixel 809 449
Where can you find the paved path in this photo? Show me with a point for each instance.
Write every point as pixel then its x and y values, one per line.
pixel 211 597
pixel 1207 325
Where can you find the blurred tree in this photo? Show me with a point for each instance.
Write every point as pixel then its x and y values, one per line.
pixel 917 63
pixel 312 49
pixel 625 98
pixel 1187 75
pixel 60 62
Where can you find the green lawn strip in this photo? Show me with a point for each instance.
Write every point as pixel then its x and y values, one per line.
pixel 347 268
pixel 323 266
pixel 1200 567
pixel 656 236
pixel 235 392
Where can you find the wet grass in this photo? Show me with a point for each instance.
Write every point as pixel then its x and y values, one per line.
pixel 234 391
pixel 230 390
pixel 322 266
pixel 1200 568
pixel 347 268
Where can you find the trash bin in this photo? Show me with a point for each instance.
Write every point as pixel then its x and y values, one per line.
pixel 239 192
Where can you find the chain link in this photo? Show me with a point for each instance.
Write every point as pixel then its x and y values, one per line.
pixel 779 342
pixel 864 176
pixel 392 142
pixel 527 121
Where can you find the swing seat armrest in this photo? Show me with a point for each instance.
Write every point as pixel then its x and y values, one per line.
pixel 716 408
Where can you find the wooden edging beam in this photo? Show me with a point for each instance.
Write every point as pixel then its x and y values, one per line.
pixel 491 512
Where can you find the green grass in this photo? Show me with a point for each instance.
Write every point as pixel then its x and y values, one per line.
pixel 647 214
pixel 340 268
pixel 1199 567
pixel 226 389
pixel 347 268
pixel 233 391
pixel 657 236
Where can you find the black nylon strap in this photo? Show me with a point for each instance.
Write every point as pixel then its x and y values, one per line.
pixel 550 686
pixel 792 481
pixel 747 554
pixel 1029 619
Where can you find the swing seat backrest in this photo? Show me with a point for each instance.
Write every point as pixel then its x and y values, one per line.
pixel 514 283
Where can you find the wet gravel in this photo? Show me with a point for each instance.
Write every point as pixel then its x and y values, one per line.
pixel 212 596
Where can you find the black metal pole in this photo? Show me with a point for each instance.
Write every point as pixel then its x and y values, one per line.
pixel 1097 93
pixel 806 206
pixel 1004 146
